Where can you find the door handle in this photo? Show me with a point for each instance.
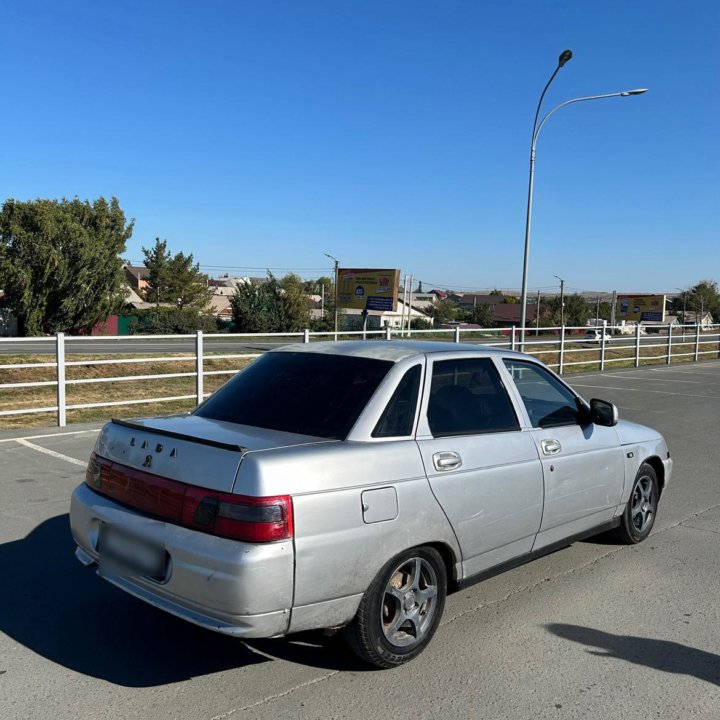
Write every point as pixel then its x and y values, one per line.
pixel 550 447
pixel 447 460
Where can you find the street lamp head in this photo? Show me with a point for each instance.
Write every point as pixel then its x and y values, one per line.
pixel 564 57
pixel 639 91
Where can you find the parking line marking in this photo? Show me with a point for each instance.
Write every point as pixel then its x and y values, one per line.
pixel 656 379
pixel 49 435
pixel 645 390
pixel 712 373
pixel 52 453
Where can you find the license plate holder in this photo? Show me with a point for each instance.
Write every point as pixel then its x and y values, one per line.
pixel 125 554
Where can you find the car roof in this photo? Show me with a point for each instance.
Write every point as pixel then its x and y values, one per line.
pixel 394 350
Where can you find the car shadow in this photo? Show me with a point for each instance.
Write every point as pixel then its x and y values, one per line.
pixel 57 608
pixel 662 655
pixel 62 611
pixel 313 649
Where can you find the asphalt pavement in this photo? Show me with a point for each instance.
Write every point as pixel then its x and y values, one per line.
pixel 594 631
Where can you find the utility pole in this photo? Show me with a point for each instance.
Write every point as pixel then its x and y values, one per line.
pixel 562 300
pixel 409 310
pixel 597 312
pixel 537 316
pixel 336 290
pixel 404 305
pixel 613 319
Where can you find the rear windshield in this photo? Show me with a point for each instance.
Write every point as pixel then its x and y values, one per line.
pixel 306 393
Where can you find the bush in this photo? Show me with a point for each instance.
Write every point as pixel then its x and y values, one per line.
pixel 171 321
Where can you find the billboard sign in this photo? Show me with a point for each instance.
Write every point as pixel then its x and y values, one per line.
pixel 636 308
pixel 368 289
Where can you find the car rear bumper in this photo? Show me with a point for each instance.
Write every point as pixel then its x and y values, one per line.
pixel 231 587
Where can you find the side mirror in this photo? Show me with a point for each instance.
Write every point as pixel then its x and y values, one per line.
pixel 584 415
pixel 603 413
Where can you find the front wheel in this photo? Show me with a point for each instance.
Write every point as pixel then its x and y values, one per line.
pixel 639 516
pixel 401 609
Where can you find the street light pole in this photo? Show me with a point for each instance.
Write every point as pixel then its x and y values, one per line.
pixel 336 290
pixel 562 60
pixel 565 56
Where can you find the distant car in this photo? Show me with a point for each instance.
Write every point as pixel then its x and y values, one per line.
pixel 352 485
pixel 597 335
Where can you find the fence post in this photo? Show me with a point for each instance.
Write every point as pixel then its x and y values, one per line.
pixel 387 332
pixel 306 335
pixel 669 357
pixel 637 345
pixel 512 338
pixel 562 350
pixel 697 341
pixel 199 370
pixel 60 361
pixel 457 334
pixel 602 345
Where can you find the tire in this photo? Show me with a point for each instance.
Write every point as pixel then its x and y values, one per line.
pixel 639 516
pixel 401 609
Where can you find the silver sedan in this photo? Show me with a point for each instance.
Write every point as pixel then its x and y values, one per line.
pixel 353 485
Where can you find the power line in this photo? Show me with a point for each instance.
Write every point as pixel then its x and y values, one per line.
pixel 262 268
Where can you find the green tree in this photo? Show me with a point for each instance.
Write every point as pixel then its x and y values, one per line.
pixel 577 311
pixel 60 262
pixel 187 286
pixel 293 305
pixel 482 315
pixel 174 279
pixel 442 311
pixel 157 262
pixel 272 306
pixel 704 297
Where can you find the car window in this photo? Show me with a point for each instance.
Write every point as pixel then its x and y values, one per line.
pixel 399 415
pixel 300 392
pixel 468 397
pixel 547 401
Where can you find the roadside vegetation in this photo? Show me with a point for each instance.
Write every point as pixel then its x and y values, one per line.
pixel 135 391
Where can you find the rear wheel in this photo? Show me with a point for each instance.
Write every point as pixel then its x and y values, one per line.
pixel 401 609
pixel 639 516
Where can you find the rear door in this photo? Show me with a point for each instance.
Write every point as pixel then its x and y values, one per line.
pixel 583 464
pixel 484 471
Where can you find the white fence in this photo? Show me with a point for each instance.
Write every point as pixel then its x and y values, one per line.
pixel 563 349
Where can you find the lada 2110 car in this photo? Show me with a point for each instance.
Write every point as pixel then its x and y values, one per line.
pixel 352 485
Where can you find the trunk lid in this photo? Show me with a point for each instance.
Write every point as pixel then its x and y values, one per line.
pixel 190 449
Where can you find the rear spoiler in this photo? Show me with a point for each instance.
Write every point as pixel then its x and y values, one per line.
pixel 178 436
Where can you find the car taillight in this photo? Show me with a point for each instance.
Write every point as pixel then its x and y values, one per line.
pixel 238 517
pixel 93 474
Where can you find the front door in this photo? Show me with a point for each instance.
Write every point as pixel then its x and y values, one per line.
pixel 583 464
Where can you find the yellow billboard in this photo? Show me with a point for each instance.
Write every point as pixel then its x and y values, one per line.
pixel 641 307
pixel 368 289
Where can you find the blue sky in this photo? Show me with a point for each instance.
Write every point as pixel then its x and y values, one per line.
pixel 389 134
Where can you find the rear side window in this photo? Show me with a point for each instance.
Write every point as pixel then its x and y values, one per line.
pixel 468 397
pixel 399 415
pixel 547 401
pixel 307 393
